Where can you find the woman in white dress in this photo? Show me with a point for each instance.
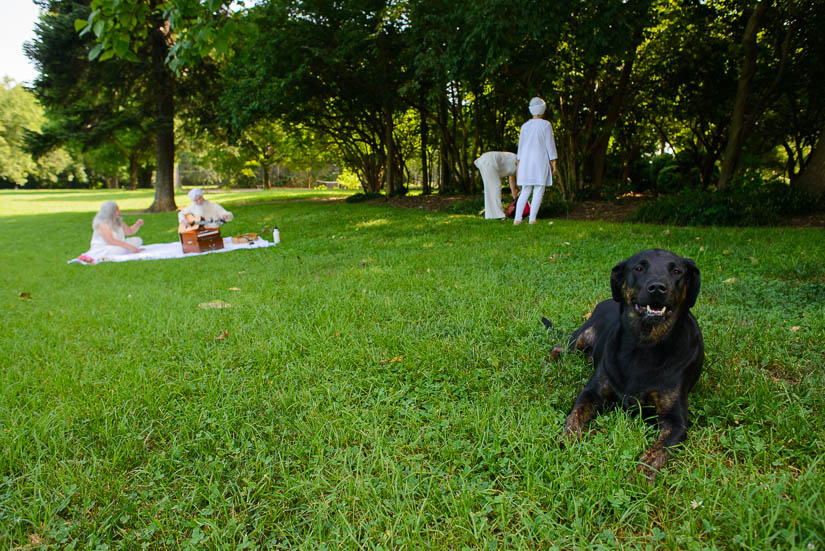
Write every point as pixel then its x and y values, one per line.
pixel 536 160
pixel 109 235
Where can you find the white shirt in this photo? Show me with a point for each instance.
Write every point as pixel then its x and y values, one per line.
pixel 536 148
pixel 207 211
pixel 503 162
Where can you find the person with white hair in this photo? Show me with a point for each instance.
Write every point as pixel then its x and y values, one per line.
pixel 536 160
pixel 202 210
pixel 109 234
pixel 495 165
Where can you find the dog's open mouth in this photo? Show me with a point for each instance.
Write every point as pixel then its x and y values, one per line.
pixel 649 312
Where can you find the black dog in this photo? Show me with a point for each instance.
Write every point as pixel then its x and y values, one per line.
pixel 646 347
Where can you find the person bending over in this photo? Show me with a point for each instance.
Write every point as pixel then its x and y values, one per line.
pixel 536 160
pixel 495 165
pixel 109 234
pixel 202 210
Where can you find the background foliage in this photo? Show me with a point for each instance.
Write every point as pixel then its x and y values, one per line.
pixel 406 94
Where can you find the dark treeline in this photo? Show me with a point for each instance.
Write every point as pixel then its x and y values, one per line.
pixel 643 94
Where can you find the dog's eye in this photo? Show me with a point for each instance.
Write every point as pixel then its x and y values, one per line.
pixel 676 271
pixel 639 268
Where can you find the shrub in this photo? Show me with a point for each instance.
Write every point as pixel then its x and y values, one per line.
pixel 473 205
pixel 745 203
pixel 361 197
pixel 657 164
pixel 551 205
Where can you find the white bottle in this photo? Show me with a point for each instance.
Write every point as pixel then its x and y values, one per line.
pixel 276 236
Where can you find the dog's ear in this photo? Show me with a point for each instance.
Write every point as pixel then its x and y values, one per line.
pixel 694 282
pixel 617 280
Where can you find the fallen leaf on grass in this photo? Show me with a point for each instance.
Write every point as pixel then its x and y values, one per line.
pixel 796 328
pixel 25 296
pixel 234 288
pixel 730 280
pixel 222 336
pixel 394 360
pixel 214 304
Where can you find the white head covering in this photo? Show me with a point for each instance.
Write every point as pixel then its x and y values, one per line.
pixel 537 106
pixel 107 214
pixel 195 192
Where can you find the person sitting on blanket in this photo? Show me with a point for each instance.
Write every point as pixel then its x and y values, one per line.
pixel 201 210
pixel 109 234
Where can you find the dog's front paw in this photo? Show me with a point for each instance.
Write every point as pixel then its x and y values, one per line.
pixel 556 352
pixel 651 461
pixel 568 436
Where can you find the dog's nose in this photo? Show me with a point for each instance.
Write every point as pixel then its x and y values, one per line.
pixel 656 287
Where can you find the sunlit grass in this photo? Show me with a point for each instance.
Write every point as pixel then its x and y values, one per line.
pixel 382 381
pixel 83 200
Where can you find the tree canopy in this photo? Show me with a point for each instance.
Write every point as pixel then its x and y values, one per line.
pixel 411 91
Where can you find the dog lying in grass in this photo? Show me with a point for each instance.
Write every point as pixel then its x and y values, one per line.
pixel 646 348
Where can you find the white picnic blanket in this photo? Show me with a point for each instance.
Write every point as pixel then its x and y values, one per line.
pixel 158 251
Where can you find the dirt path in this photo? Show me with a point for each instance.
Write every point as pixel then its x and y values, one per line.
pixel 611 211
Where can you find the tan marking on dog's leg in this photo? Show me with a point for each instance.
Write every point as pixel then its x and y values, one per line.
pixel 655 457
pixel 556 353
pixel 652 460
pixel 587 339
pixel 576 422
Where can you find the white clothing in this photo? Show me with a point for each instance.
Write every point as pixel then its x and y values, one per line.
pixel 535 202
pixel 495 165
pixel 100 250
pixel 536 148
pixel 207 211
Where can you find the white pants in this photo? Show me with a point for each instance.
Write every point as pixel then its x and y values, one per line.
pixel 492 191
pixel 535 203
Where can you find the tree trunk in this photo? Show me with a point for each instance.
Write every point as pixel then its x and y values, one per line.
pixel 145 176
pixel 614 110
pixel 736 131
pixel 133 172
pixel 389 144
pixel 164 123
pixel 812 179
pixel 265 174
pixel 445 184
pixel 425 174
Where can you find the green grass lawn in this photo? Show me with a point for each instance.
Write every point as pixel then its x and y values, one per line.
pixel 384 383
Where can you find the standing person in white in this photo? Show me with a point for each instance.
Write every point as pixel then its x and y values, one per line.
pixel 536 160
pixel 495 165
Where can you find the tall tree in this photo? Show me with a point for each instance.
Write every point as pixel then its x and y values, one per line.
pixel 89 105
pixel 326 66
pixel 20 113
